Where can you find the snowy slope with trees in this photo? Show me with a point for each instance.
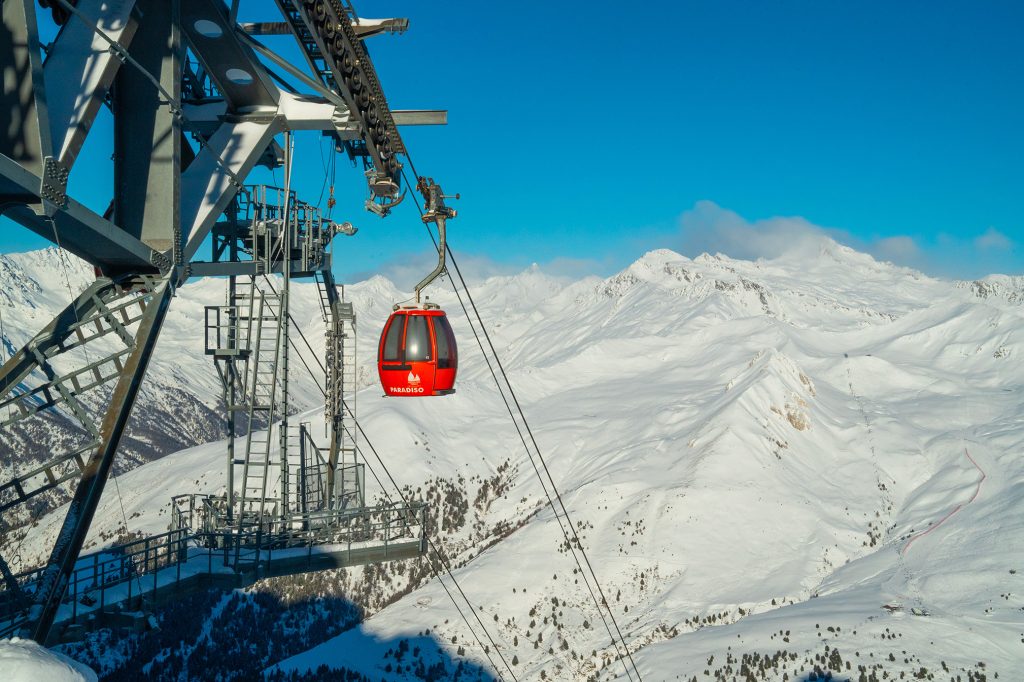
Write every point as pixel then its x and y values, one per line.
pixel 775 466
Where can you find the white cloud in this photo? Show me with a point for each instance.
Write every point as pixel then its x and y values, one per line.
pixel 406 270
pixel 707 227
pixel 573 268
pixel 897 249
pixel 711 228
pixel 993 239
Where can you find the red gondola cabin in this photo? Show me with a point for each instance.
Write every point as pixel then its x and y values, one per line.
pixel 417 355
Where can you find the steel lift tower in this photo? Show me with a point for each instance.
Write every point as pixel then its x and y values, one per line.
pixel 196 103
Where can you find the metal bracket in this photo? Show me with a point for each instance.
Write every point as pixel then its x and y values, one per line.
pixel 53 186
pixel 383 193
pixel 346 228
pixel 160 260
pixel 438 213
pixel 433 197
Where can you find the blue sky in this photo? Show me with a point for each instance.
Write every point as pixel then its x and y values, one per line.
pixel 582 134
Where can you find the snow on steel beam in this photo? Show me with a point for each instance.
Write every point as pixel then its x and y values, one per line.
pixel 365 28
pixel 420 117
pixel 211 181
pixel 311 113
pixel 300 112
pixel 80 68
pixel 304 112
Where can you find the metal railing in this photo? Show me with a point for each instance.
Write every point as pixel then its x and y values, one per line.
pixel 205 519
pixel 136 565
pixel 263 208
pixel 196 546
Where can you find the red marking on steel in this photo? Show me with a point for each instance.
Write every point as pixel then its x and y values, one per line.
pixel 955 510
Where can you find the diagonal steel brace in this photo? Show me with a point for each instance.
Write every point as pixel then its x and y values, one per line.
pixel 55 576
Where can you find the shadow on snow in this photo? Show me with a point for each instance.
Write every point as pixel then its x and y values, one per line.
pixel 238 635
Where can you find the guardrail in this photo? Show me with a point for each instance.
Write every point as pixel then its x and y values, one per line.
pixel 96 574
pixel 196 547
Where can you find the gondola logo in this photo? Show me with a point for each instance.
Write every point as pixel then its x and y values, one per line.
pixel 414 380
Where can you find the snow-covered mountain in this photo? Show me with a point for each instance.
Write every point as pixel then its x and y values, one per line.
pixel 774 465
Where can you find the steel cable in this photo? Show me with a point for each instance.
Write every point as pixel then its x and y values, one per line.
pixel 433 547
pixel 540 456
pixel 558 495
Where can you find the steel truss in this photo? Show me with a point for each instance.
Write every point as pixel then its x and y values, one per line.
pixel 194 111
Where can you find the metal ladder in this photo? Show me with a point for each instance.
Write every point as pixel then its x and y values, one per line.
pixel 342 382
pixel 263 319
pixel 299 459
pixel 333 408
pixel 347 347
pixel 325 300
pixel 311 492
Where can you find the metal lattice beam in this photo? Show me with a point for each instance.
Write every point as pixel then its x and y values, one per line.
pixel 50 588
pixel 231 64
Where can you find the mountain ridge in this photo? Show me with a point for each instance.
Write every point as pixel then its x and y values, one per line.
pixel 739 469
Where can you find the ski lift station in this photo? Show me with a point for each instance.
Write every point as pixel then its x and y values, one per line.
pixel 197 103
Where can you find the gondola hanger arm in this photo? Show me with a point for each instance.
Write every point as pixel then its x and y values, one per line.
pixel 436 212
